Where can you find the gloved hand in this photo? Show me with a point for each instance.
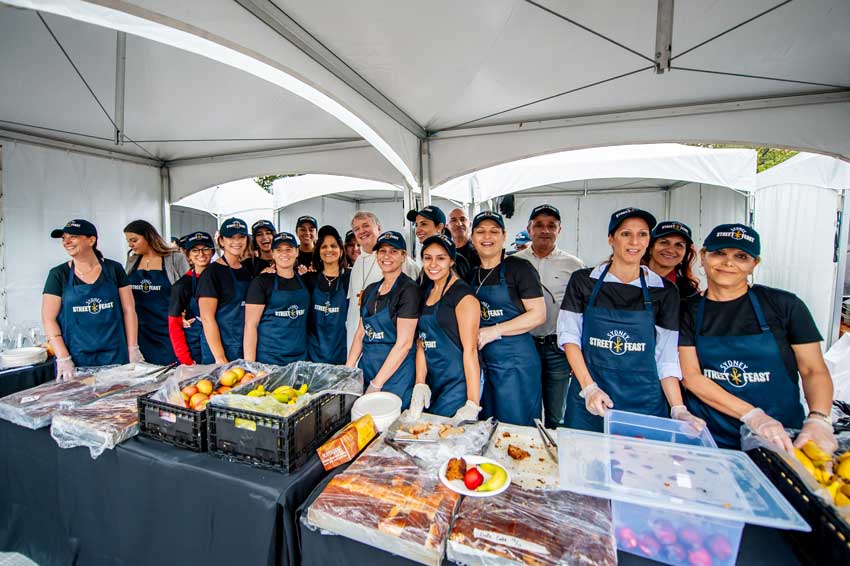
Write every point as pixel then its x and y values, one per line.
pixel 469 412
pixel 596 401
pixel 818 431
pixel 768 428
pixel 136 356
pixel 187 322
pixel 681 413
pixel 373 388
pixel 420 399
pixel 65 369
pixel 487 334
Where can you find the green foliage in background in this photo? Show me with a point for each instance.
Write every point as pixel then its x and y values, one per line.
pixel 767 156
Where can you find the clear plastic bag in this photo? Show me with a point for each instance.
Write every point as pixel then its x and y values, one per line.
pixel 451 441
pixel 169 392
pixel 538 527
pixel 191 375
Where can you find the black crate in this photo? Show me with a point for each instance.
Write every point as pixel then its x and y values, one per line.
pixel 173 424
pixel 270 441
pixel 829 541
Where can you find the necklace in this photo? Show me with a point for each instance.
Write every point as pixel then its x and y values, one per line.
pixel 482 281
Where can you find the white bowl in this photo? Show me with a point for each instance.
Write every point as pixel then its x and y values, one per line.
pixel 384 407
pixel 17 357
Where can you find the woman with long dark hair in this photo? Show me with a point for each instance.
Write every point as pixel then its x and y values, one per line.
pixel 326 332
pixel 152 269
pixel 671 255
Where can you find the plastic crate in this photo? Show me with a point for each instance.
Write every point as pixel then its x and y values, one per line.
pixel 829 541
pixel 173 424
pixel 274 442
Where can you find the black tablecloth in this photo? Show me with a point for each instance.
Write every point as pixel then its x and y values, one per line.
pixel 18 379
pixel 759 545
pixel 144 503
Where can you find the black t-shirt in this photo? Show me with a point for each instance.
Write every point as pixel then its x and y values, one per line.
pixel 622 296
pixel 404 303
pixel 57 278
pixel 522 279
pixel 181 294
pixel 470 254
pixel 461 268
pixel 787 316
pixel 256 265
pixel 446 316
pixel 304 258
pixel 216 283
pixel 327 284
pixel 263 284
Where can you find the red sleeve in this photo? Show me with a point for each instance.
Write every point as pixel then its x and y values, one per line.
pixel 178 340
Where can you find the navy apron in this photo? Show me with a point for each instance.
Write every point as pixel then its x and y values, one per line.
pixel 618 347
pixel 230 318
pixel 152 294
pixel 750 367
pixel 327 333
pixel 444 358
pixel 92 321
pixel 282 332
pixel 379 339
pixel 513 387
pixel 194 332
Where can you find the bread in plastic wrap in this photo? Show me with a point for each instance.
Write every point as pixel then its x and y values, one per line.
pixel 533 527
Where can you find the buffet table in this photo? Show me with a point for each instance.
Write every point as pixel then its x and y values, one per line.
pixel 144 503
pixel 17 379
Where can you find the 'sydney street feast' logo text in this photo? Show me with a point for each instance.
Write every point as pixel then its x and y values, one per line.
pixel 736 374
pixel 94 306
pixel 487 313
pixel 617 343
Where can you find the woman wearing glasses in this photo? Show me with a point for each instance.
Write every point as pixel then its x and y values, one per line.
pixel 184 317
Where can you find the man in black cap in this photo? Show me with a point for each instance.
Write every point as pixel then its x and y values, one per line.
pixel 555 267
pixel 431 221
pixel 306 228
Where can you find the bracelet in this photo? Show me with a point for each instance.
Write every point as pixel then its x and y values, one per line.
pixel 51 337
pixel 820 416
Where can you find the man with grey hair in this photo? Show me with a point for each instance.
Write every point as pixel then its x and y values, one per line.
pixel 366 227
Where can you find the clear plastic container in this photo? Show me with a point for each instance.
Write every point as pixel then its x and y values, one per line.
pixel 669 536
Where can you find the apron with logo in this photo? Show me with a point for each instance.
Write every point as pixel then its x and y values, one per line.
pixel 282 332
pixel 196 329
pixel 92 321
pixel 230 318
pixel 379 339
pixel 444 358
pixel 618 347
pixel 327 334
pixel 152 294
pixel 513 388
pixel 750 367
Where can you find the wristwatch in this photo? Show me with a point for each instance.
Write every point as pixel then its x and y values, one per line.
pixel 821 416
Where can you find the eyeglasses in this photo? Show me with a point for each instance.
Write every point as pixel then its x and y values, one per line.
pixel 200 251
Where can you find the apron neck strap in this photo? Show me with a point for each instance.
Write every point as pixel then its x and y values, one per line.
pixel 647 301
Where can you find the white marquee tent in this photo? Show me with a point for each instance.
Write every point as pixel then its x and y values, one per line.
pixel 244 198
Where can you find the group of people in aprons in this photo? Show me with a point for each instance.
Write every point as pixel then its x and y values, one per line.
pixel 638 333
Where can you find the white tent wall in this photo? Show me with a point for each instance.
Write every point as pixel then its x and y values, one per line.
pixel 43 189
pixel 702 207
pixel 797 228
pixel 185 220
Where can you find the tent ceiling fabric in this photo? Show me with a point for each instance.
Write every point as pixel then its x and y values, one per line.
pixel 230 198
pixel 555 76
pixel 289 190
pixel 807 169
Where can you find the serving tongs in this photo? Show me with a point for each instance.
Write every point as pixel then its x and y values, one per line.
pixel 551 445
pixel 415 460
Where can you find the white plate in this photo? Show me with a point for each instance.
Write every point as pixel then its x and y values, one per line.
pixel 457 485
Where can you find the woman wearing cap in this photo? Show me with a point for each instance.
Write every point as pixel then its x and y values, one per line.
pixel 352 249
pixel 262 234
pixel 305 229
pixel 743 349
pixel 184 316
pixel 619 327
pixel 276 309
pixel 388 316
pixel 671 255
pixel 87 305
pixel 448 375
pixel 221 296
pixel 511 298
pixel 326 336
pixel 152 269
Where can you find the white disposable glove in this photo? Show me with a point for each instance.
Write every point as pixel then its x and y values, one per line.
pixel 469 412
pixel 487 334
pixel 768 428
pixel 136 356
pixel 65 369
pixel 681 413
pixel 373 388
pixel 420 399
pixel 596 401
pixel 818 431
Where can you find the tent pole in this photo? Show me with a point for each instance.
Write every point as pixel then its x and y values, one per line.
pixel 425 170
pixel 409 203
pixel 120 75
pixel 165 200
pixel 842 231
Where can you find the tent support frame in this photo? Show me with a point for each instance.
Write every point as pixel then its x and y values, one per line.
pixel 53 143
pixel 843 232
pixel 120 79
pixel 663 36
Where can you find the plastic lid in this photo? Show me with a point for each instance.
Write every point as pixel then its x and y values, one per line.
pixel 724 484
pixel 378 404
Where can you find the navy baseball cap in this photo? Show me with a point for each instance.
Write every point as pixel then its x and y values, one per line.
pixel 544 209
pixel 522 238
pixel 349 236
pixel 307 218
pixel 667 227
pixel 488 215
pixel 735 236
pixel 232 227
pixel 621 215
pixel 75 227
pixel 284 238
pixel 441 240
pixel 391 238
pixel 262 225
pixel 432 213
pixel 189 241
